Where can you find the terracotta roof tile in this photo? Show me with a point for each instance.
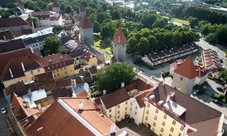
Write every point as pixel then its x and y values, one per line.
pixel 81 8
pixel 64 82
pixel 115 98
pixel 82 94
pixel 140 97
pixel 19 88
pixel 6 57
pixel 5 34
pixel 119 37
pixel 60 121
pixel 11 22
pixel 11 45
pixel 55 4
pixel 85 23
pixel 188 66
pixel 45 81
pixel 27 31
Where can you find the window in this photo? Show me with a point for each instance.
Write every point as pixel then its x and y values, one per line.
pixel 65 72
pixel 170 135
pixel 182 128
pixel 57 70
pixel 172 129
pixel 131 103
pixel 125 108
pixel 156 111
pixel 130 109
pixel 110 110
pixel 64 68
pixel 118 116
pixel 58 74
pixel 118 112
pixel 146 118
pixel 162 130
pixel 126 103
pixel 165 116
pixel 118 106
pixel 163 123
pixel 110 116
pixel 148 105
pixel 135 113
pixel 155 117
pixel 154 124
pixel 160 134
pixel 181 78
pixel 38 70
pixel 174 122
pixel 136 107
pixel 147 112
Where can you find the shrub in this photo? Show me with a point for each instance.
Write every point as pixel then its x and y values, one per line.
pixel 220 97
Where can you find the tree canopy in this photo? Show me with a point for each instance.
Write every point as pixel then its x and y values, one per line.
pixel 110 78
pixel 51 45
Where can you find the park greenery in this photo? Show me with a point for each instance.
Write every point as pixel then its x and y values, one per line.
pixel 51 45
pixel 111 77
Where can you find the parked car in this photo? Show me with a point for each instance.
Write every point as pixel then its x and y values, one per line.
pixel 220 89
pixel 217 102
pixel 196 92
pixel 3 110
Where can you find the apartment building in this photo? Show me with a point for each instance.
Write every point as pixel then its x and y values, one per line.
pixel 169 112
pixel 61 65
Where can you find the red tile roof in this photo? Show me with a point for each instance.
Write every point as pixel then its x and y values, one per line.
pixel 81 9
pixel 45 81
pixel 27 31
pixel 6 57
pixel 64 117
pixel 55 4
pixel 115 98
pixel 11 22
pixel 140 97
pixel 85 23
pixel 187 69
pixel 11 45
pixel 5 34
pixel 119 37
pixel 210 59
pixel 19 88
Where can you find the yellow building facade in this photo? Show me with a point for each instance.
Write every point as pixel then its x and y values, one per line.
pixel 161 123
pixel 64 72
pixel 30 75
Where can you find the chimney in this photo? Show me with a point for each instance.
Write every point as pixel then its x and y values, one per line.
pixel 81 106
pixel 112 128
pixel 61 57
pixel 22 65
pixel 122 84
pixel 119 39
pixel 10 71
pixel 103 92
pixel 151 97
pixel 50 61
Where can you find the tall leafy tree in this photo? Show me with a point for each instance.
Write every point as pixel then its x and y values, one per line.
pixel 51 45
pixel 110 78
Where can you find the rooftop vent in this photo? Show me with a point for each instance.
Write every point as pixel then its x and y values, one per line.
pixel 161 102
pixel 151 97
pixel 122 84
pixel 10 71
pixel 81 106
pixel 61 57
pixel 104 92
pixel 50 61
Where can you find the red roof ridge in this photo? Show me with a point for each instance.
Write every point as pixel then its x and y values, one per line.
pixel 187 69
pixel 119 37
pixel 81 8
pixel 85 23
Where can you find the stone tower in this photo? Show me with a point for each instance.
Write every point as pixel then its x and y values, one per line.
pixel 119 45
pixel 86 31
pixel 82 11
pixel 56 7
pixel 20 4
pixel 184 76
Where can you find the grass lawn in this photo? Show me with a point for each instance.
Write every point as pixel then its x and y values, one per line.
pixel 98 44
pixel 180 21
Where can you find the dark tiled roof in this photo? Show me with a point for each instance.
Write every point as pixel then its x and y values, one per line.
pixel 85 23
pixel 45 81
pixel 65 39
pixel 26 31
pixel 20 88
pixel 6 57
pixel 115 98
pixel 5 34
pixel 11 45
pixel 195 111
pixel 119 37
pixel 60 92
pixel 41 38
pixel 16 66
pixel 64 82
pixel 11 22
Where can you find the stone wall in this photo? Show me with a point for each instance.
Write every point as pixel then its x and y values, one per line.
pixel 99 54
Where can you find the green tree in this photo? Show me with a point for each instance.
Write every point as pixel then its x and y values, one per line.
pixel 115 15
pixel 57 28
pixel 100 17
pixel 62 50
pixel 34 19
pixel 51 45
pixel 97 27
pixel 68 9
pixel 6 15
pixel 193 21
pixel 110 78
pixel 104 31
pixel 223 75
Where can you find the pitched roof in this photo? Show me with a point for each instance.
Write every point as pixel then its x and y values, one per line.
pixel 27 31
pixel 54 59
pixel 11 45
pixel 5 57
pixel 195 110
pixel 60 92
pixel 33 40
pixel 20 88
pixel 119 37
pixel 81 8
pixel 45 81
pixel 188 66
pixel 55 4
pixel 5 34
pixel 11 22
pixel 64 117
pixel 115 98
pixel 140 97
pixel 16 67
pixel 85 23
